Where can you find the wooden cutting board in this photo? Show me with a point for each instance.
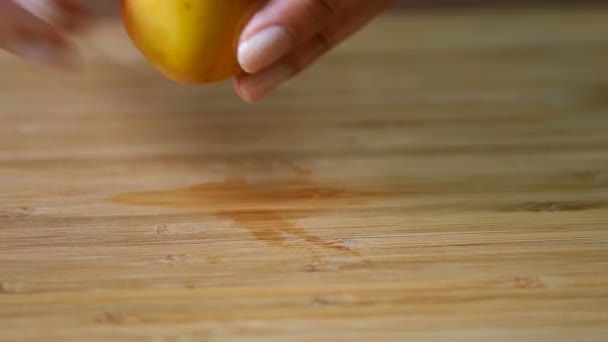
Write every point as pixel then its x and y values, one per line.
pixel 443 176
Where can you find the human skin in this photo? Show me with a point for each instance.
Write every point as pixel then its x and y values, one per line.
pixel 37 30
pixel 282 39
pixel 287 36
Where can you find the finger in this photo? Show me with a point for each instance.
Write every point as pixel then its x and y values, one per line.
pixel 280 26
pixel 101 9
pixel 255 86
pixel 64 14
pixel 13 16
pixel 75 15
pixel 28 36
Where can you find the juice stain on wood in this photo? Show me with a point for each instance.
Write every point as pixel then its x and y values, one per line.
pixel 267 209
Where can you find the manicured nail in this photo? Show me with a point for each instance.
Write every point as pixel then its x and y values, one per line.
pixel 253 87
pixel 264 49
pixel 44 51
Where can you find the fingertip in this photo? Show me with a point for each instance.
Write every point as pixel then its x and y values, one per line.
pixel 239 90
pixel 252 88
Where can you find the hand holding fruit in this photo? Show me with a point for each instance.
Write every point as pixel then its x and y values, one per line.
pixel 261 43
pixel 286 36
pixel 199 41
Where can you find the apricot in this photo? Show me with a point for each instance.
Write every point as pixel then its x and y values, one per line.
pixel 189 41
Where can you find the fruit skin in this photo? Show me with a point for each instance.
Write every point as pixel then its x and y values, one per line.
pixel 189 41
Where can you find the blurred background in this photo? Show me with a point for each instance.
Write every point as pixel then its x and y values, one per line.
pixel 111 6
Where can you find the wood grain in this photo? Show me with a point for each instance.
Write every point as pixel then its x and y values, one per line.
pixel 443 176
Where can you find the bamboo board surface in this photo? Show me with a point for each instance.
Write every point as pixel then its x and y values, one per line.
pixel 444 175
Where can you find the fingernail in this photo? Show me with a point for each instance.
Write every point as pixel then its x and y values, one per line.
pixel 42 51
pixel 253 87
pixel 264 49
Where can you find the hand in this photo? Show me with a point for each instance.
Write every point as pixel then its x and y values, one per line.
pixel 36 29
pixel 286 36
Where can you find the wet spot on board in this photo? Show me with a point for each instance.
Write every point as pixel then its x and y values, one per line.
pixel 269 210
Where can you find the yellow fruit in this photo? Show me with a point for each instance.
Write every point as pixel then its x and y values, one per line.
pixel 189 41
